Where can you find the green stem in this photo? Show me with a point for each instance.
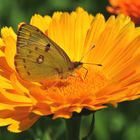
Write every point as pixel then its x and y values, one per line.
pixel 73 127
pixel 88 136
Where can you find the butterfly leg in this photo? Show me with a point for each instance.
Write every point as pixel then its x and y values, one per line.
pixel 86 72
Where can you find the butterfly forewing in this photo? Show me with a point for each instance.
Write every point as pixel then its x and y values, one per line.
pixel 38 57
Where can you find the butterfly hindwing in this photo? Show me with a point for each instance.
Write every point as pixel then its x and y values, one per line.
pixel 38 57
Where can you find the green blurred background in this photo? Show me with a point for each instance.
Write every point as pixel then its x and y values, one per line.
pixel 122 123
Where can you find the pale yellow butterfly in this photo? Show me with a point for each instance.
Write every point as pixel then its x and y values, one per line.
pixel 39 58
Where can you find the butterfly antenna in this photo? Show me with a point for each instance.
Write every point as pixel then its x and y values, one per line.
pixel 86 72
pixel 86 53
pixel 96 64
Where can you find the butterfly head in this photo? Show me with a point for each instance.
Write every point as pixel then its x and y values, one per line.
pixel 77 64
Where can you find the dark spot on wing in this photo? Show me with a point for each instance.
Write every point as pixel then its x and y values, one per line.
pixel 36 48
pixel 47 47
pixel 24 60
pixel 40 59
pixel 28 73
pixel 25 67
pixel 30 52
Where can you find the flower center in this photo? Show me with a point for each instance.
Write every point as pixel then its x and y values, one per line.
pixel 78 83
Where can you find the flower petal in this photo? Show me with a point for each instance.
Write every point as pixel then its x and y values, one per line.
pixel 9 38
pixel 41 22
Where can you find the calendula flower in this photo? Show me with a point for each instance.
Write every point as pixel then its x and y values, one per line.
pixel 127 7
pixel 117 48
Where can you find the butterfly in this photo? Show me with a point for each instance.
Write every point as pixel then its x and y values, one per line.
pixel 39 58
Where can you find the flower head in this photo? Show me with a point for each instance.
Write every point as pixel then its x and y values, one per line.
pixel 127 7
pixel 117 48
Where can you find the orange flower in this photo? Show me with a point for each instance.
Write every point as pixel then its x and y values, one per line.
pixel 117 48
pixel 127 7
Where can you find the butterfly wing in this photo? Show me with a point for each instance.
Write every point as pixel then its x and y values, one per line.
pixel 38 57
